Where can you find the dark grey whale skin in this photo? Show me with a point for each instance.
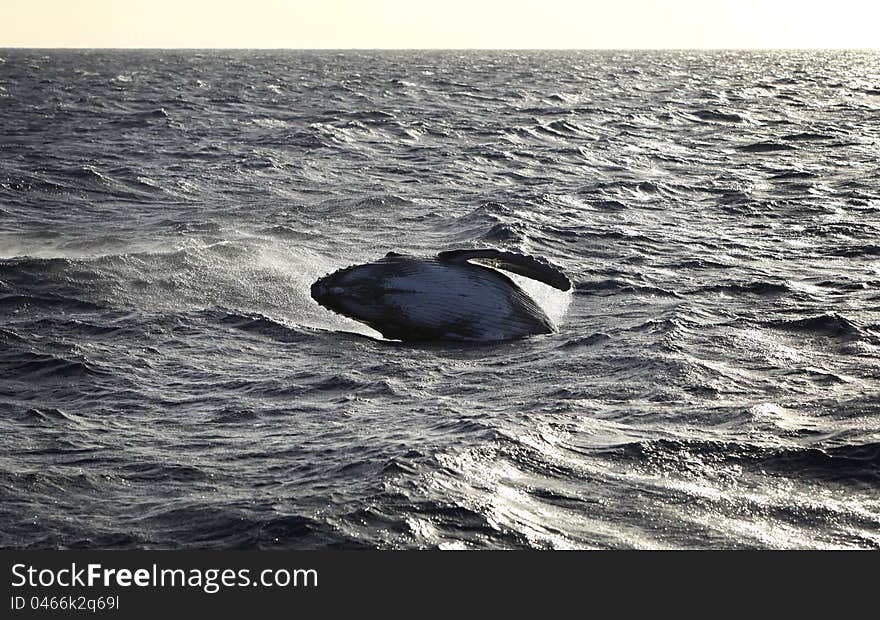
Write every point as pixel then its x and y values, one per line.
pixel 440 298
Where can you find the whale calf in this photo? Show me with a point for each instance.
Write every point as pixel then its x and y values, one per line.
pixel 445 297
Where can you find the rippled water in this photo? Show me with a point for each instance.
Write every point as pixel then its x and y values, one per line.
pixel 166 381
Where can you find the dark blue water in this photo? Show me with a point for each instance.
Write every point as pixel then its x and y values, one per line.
pixel 167 382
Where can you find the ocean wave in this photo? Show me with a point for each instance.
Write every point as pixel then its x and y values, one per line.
pixel 47 483
pixel 286 232
pixel 27 365
pixel 585 341
pixel 807 136
pixel 20 303
pixel 764 289
pixel 234 415
pixel 795 174
pixel 209 526
pixel 50 417
pixel 257 324
pixel 617 286
pixel 852 251
pixel 163 472
pixel 766 147
pixel 504 233
pixel 489 211
pixel 719 116
pixel 122 183
pixel 829 325
pixel 858 462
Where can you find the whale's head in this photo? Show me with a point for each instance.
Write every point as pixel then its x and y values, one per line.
pixel 357 292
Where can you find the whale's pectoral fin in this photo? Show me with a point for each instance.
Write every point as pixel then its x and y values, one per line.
pixel 520 264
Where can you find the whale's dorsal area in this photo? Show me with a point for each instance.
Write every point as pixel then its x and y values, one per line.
pixel 520 264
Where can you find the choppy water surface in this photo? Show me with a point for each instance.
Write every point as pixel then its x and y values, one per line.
pixel 166 380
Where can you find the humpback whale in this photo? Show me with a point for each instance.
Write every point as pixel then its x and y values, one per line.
pixel 445 297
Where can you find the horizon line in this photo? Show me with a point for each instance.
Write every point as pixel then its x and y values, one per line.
pixel 443 49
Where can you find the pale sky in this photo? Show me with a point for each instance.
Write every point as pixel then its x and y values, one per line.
pixel 586 24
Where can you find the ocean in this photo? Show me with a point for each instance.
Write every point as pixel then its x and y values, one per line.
pixel 167 382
